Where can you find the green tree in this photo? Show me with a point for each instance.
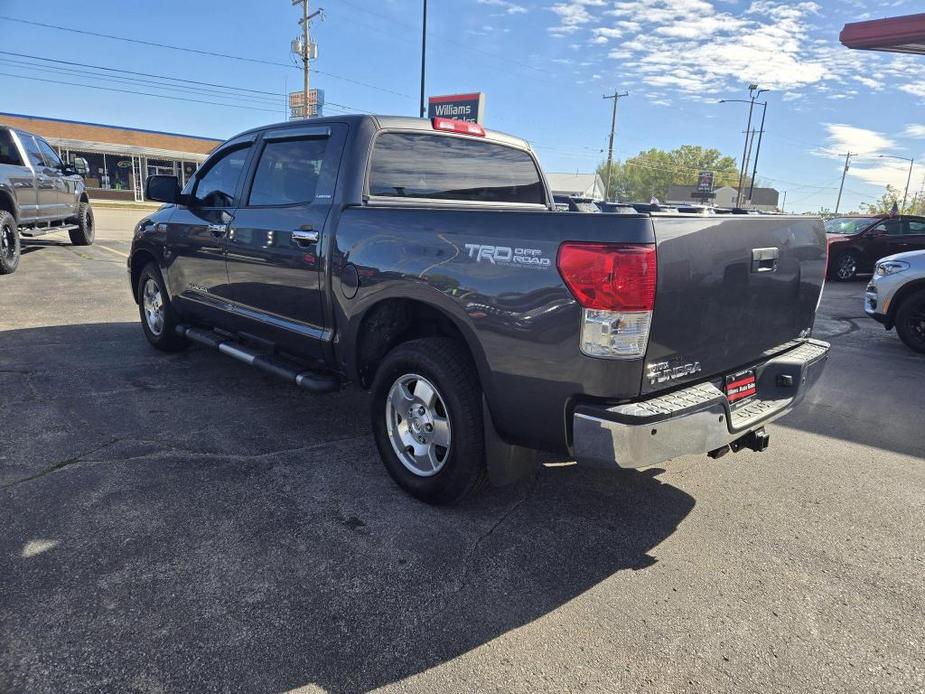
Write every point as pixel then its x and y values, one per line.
pixel 894 196
pixel 652 171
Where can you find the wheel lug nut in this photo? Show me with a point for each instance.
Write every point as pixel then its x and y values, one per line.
pixel 428 427
pixel 421 411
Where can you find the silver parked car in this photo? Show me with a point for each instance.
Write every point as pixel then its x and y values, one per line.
pixel 895 296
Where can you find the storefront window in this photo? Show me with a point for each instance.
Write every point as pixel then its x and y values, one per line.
pixel 96 168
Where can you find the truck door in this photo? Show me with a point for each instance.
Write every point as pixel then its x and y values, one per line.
pixel 14 168
pixel 275 245
pixel 65 196
pixel 45 191
pixel 197 234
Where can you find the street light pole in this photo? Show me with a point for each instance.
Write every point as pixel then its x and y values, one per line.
pixel 748 128
pixel 423 55
pixel 753 92
pixel 908 176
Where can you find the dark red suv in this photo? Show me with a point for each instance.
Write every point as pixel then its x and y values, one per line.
pixel 857 243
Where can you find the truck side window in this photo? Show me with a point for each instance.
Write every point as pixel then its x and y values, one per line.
pixel 216 186
pixel 32 151
pixel 52 160
pixel 916 228
pixel 443 167
pixel 288 172
pixel 9 154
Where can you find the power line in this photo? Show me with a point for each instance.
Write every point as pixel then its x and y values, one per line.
pixel 256 97
pixel 198 51
pixel 129 91
pixel 142 74
pixel 131 81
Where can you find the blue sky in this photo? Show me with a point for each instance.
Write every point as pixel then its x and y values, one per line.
pixel 543 66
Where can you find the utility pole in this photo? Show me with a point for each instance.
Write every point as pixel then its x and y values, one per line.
pixel 616 96
pixel 751 187
pixel 783 204
pixel 307 51
pixel 906 192
pixel 748 160
pixel 753 93
pixel 843 174
pixel 423 55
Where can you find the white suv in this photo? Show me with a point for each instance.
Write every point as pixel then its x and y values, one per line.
pixel 895 296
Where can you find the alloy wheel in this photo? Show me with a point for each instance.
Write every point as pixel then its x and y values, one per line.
pixel 847 267
pixel 153 304
pixel 418 425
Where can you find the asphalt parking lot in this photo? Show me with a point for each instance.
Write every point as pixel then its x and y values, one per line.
pixel 181 522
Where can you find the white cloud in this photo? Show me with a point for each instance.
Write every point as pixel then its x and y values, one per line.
pixel 866 146
pixel 784 46
pixel 848 138
pixel 914 130
pixel 573 15
pixel 505 5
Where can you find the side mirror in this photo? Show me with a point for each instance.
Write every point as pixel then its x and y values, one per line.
pixel 163 189
pixel 81 167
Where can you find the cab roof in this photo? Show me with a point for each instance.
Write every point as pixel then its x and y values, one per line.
pixel 388 123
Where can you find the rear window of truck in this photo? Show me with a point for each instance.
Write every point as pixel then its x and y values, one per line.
pixel 442 167
pixel 8 152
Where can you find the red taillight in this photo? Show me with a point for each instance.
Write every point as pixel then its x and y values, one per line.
pixel 459 126
pixel 609 277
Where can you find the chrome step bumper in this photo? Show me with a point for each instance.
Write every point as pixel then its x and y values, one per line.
pixel 697 419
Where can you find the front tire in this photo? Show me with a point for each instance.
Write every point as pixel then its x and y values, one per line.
pixel 845 267
pixel 158 319
pixel 9 244
pixel 427 420
pixel 910 322
pixel 85 232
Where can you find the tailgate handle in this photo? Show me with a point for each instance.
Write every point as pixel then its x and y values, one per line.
pixel 764 259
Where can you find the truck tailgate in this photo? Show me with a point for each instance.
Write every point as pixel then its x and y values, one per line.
pixel 731 290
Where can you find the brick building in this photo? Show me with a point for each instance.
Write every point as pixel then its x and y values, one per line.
pixel 118 159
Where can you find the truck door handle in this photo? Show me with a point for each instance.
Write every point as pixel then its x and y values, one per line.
pixel 302 237
pixel 218 229
pixel 764 259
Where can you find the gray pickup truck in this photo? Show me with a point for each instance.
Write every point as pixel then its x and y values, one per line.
pixel 39 194
pixel 424 261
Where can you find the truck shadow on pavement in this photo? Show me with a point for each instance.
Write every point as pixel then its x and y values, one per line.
pixel 182 522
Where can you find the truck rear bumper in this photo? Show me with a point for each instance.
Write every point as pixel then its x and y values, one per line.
pixel 697 419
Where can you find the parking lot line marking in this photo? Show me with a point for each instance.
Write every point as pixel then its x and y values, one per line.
pixel 112 250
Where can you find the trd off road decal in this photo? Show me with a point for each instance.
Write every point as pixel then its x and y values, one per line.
pixel 506 255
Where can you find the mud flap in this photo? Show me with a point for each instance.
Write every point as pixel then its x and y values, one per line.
pixel 506 463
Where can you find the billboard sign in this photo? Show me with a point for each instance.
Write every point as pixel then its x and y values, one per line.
pixel 705 182
pixel 297 104
pixel 468 107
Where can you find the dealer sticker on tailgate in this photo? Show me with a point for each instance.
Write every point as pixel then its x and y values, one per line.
pixel 740 386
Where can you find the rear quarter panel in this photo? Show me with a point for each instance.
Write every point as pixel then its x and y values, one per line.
pixel 520 321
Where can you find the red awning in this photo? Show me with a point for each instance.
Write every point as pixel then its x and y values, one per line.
pixel 896 34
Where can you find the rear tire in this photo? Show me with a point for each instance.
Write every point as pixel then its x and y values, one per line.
pixel 158 319
pixel 85 232
pixel 9 244
pixel 845 267
pixel 426 394
pixel 910 322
